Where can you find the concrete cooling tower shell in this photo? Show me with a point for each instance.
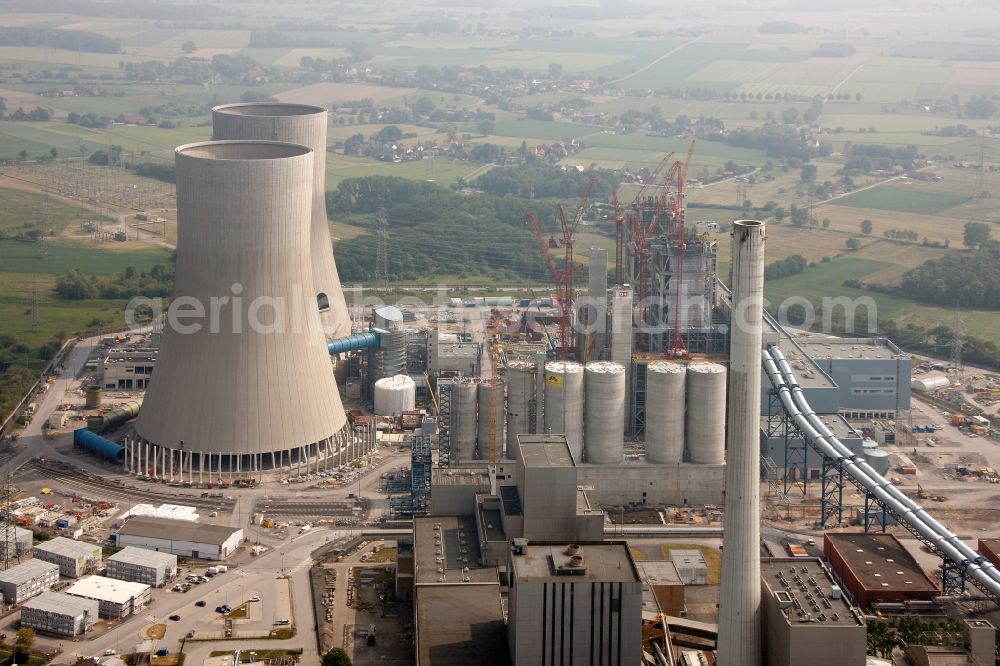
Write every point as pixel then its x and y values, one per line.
pixel 665 395
pixel 604 435
pixel 706 413
pixel 304 125
pixel 564 403
pixel 520 376
pixel 249 385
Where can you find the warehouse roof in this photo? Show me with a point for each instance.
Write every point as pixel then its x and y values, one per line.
pixel 107 589
pixel 880 562
pixel 70 548
pixel 61 604
pixel 27 571
pixel 143 557
pixel 845 348
pixel 177 530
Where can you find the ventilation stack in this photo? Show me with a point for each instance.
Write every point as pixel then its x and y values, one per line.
pixel 665 393
pixel 740 597
pixel 304 125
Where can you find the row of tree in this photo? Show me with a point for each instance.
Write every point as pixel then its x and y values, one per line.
pixel 74 285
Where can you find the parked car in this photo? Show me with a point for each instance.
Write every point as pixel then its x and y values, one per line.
pixel 190 634
pixel 175 618
pixel 109 653
pixel 201 603
pixel 283 621
pixel 255 597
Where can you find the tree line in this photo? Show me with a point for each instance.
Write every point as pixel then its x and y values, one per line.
pixel 71 40
pixel 74 285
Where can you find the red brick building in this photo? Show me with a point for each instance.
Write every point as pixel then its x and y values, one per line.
pixel 875 567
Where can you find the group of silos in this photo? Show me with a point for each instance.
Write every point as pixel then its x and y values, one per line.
pixel 470 418
pixel 685 409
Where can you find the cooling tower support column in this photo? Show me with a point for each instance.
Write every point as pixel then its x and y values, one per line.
pixel 739 614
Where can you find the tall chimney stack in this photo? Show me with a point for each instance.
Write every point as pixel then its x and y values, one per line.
pixel 739 615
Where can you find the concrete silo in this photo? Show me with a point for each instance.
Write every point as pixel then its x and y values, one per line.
pixel 521 402
pixel 604 435
pixel 464 422
pixel 665 395
pixel 706 413
pixel 249 385
pixel 394 395
pixel 564 403
pixel 488 388
pixel 304 125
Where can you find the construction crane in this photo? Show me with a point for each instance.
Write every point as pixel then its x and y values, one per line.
pixel 563 277
pixel 678 345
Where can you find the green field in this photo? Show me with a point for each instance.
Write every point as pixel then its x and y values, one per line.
pixel 902 200
pixel 23 211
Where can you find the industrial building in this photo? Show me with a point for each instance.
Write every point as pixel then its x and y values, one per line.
pixel 807 619
pixel 75 558
pixel 27 579
pixel 663 589
pixel 15 541
pixel 245 218
pixel 60 614
pixel 551 585
pixel 141 565
pixel 128 369
pixel 875 567
pixel 116 598
pixel 180 537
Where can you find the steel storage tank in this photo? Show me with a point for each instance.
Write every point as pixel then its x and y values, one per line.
pixel 706 413
pixel 463 419
pixel 878 459
pixel 665 395
pixel 520 376
pixel 604 435
pixel 487 388
pixel 564 403
pixel 394 395
pixel 93 397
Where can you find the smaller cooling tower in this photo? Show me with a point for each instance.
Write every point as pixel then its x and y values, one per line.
pixel 394 395
pixel 564 403
pixel 665 395
pixel 520 376
pixel 706 413
pixel 464 429
pixel 604 438
pixel 487 388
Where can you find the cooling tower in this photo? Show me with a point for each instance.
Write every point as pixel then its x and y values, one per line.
pixel 604 436
pixel 740 597
pixel 665 394
pixel 249 385
pixel 464 429
pixel 304 125
pixel 520 376
pixel 564 403
pixel 706 413
pixel 486 390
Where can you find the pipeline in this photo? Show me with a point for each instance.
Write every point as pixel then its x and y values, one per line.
pixel 114 417
pixel 354 342
pixel 982 573
pixel 99 446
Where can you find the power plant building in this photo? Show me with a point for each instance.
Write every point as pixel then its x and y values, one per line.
pixel 60 614
pixel 249 385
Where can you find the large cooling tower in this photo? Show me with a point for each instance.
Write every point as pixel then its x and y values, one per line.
pixel 706 413
pixel 488 388
pixel 305 125
pixel 665 394
pixel 520 376
pixel 464 423
pixel 604 436
pixel 249 384
pixel 564 403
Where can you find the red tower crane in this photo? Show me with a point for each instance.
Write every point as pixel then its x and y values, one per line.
pixel 678 345
pixel 563 277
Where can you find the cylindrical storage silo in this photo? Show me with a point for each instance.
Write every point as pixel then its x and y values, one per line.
pixel 665 396
pixel 878 459
pixel 706 413
pixel 93 397
pixel 394 395
pixel 305 125
pixel 564 403
pixel 463 420
pixel 520 379
pixel 487 389
pixel 604 435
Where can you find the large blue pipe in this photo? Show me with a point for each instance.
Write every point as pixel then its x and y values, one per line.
pixel 354 342
pixel 98 445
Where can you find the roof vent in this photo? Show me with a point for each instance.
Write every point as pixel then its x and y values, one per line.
pixel 572 549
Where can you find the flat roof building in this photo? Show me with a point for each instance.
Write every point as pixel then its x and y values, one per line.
pixel 876 567
pixel 459 624
pixel 551 584
pixel 663 590
pixel 990 549
pixel 15 541
pixel 140 565
pixel 180 537
pixel 815 625
pixel 60 614
pixel 75 558
pixel 116 598
pixel 27 579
